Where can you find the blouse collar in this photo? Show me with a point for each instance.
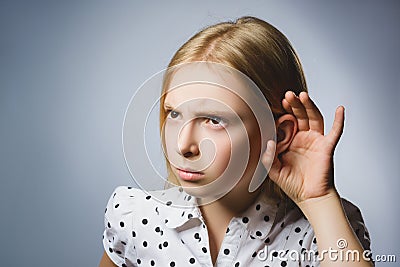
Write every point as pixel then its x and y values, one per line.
pixel 179 208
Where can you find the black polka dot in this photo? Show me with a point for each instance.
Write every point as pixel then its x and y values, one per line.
pixel 172 264
pixel 245 220
pixel 148 197
pixel 192 260
pixel 144 221
pixel 109 225
pixel 275 254
pixel 226 251
pixel 282 224
pixel 237 264
pixel 196 236
pixel 110 249
pixel 122 224
pixel 123 243
pixel 157 229
pixel 160 246
pixel 204 249
pixel 118 252
pixel 283 263
pixel 116 206
pixel 297 230
pixel 190 216
pixel 123 265
pixel 145 244
pixel 138 261
pixel 300 242
pixel 169 203
pixel 165 244
pixel 258 233
pixel 152 263
pixel 266 218
pixel 267 240
pixel 314 240
pixel 133 234
pixel 227 230
pixel 254 254
pixel 258 207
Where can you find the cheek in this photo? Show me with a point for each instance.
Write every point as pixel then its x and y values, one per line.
pixel 223 150
pixel 170 134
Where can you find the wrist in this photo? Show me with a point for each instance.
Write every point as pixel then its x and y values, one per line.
pixel 314 205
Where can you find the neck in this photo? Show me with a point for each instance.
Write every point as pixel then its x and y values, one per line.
pixel 231 205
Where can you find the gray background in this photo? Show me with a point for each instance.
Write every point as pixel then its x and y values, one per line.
pixel 68 70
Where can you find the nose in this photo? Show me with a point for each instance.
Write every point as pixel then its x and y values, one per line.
pixel 187 143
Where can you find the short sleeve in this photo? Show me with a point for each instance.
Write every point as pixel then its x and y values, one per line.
pixel 118 222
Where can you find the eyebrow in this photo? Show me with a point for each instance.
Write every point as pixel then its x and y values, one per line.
pixel 208 113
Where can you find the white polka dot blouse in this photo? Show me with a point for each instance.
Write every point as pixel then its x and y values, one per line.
pixel 141 230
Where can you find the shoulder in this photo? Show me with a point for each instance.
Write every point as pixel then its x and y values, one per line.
pixel 122 200
pixel 127 204
pixel 356 220
pixel 135 218
pixel 119 226
pixel 294 218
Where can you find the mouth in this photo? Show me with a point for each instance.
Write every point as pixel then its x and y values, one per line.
pixel 190 175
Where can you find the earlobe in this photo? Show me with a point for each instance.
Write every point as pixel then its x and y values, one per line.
pixel 286 128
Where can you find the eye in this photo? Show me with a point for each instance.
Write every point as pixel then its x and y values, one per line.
pixel 216 121
pixel 172 114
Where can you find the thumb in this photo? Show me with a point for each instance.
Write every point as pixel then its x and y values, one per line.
pixel 270 160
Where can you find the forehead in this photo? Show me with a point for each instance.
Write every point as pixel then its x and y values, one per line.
pixel 202 87
pixel 200 95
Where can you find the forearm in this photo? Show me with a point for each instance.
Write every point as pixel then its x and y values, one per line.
pixel 330 223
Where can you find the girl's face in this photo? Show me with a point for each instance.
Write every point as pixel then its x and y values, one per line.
pixel 211 138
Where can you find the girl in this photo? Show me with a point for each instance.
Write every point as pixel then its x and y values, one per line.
pixel 296 218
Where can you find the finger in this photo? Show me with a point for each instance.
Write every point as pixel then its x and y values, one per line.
pixel 287 106
pixel 299 111
pixel 337 128
pixel 315 118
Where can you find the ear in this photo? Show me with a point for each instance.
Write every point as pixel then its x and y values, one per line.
pixel 286 126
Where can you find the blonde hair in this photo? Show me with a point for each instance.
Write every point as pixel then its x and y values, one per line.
pixel 253 47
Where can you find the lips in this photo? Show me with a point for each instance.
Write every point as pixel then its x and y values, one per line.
pixel 189 175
